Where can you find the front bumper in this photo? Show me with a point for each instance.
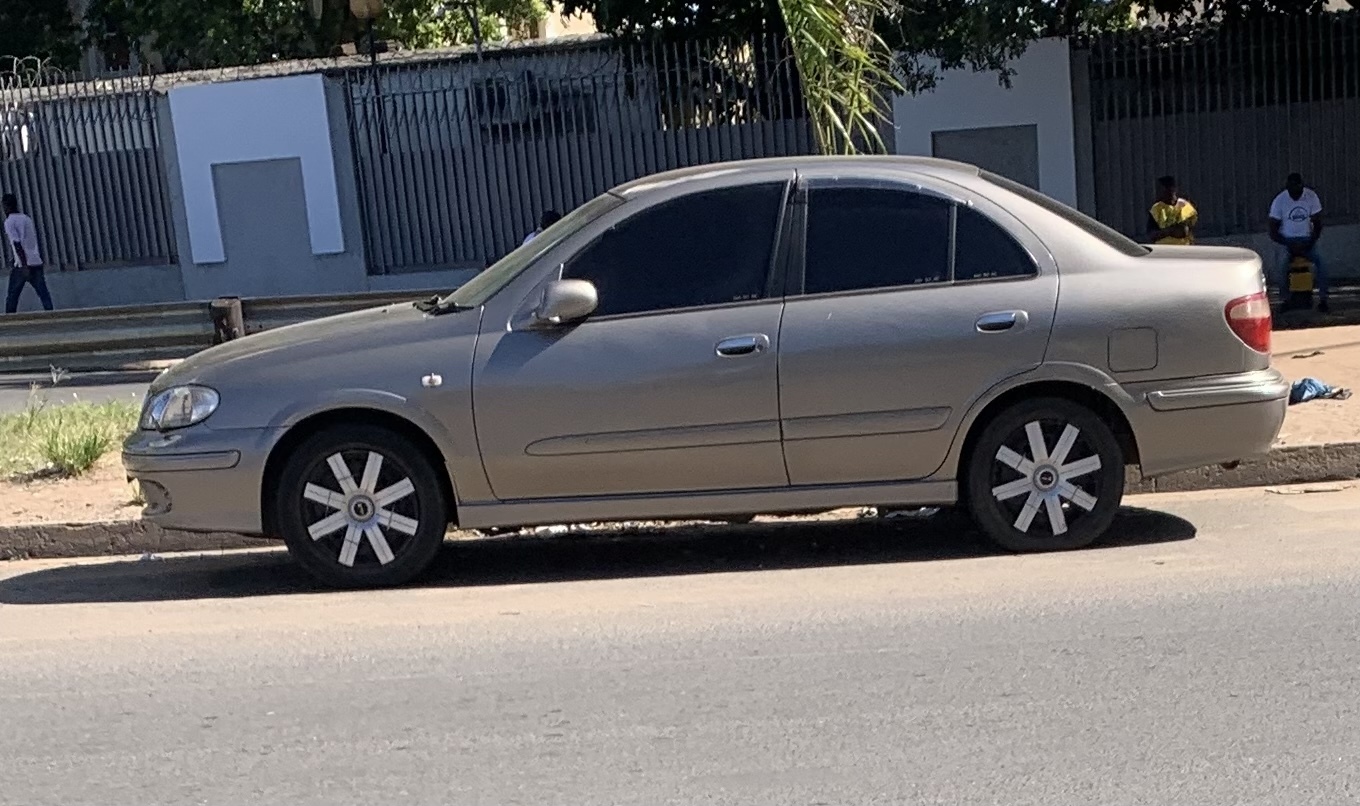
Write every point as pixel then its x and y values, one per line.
pixel 201 480
pixel 1197 422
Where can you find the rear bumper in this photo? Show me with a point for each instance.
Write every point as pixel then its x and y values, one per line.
pixel 1192 423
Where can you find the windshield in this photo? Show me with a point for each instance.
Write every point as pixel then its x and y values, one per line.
pixel 1110 236
pixel 479 289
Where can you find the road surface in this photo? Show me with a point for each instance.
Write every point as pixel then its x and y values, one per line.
pixel 1208 654
pixel 16 390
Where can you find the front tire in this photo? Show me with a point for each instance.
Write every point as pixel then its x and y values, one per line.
pixel 361 507
pixel 1045 475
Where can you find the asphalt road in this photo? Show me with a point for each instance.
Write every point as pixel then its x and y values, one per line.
pixel 1208 654
pixel 16 390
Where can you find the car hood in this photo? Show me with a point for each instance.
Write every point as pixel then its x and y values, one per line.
pixel 389 327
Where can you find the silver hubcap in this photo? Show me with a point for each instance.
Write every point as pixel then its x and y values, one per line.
pixel 361 509
pixel 1047 478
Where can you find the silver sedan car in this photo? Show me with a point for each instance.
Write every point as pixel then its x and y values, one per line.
pixel 760 337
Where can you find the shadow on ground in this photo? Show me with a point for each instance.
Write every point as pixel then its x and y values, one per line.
pixel 605 554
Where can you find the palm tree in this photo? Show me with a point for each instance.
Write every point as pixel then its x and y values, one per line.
pixel 846 70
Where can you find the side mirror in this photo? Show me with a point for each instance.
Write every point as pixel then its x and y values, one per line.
pixel 566 301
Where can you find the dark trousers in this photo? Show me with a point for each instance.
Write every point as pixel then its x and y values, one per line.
pixel 33 275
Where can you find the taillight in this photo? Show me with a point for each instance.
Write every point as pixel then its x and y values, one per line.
pixel 1249 318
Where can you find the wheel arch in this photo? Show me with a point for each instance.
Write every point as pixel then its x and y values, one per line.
pixel 1083 394
pixel 313 424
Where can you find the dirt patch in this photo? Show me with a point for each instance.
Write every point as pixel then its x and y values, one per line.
pixel 102 494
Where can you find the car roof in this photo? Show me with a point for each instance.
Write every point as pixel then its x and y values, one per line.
pixel 928 166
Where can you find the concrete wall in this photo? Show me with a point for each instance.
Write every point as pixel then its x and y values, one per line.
pixel 1040 96
pixel 1339 249
pixel 245 221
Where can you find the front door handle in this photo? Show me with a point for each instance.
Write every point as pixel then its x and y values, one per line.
pixel 743 345
pixel 1001 321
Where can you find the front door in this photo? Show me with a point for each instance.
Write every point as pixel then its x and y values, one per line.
pixel 671 385
pixel 913 305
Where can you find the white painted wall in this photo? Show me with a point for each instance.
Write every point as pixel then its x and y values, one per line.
pixel 255 121
pixel 1040 95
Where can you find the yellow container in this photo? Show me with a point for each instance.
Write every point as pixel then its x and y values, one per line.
pixel 1300 274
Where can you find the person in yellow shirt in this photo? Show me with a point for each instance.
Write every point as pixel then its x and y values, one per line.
pixel 1172 218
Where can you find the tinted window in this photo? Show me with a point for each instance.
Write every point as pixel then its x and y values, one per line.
pixel 703 249
pixel 874 238
pixel 1057 208
pixel 984 251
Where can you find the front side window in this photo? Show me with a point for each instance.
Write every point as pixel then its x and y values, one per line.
pixel 486 285
pixel 707 248
pixel 865 238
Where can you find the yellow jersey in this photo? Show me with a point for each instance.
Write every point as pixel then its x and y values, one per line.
pixel 1166 215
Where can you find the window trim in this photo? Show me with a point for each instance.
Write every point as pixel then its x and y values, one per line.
pixel 797 285
pixel 777 268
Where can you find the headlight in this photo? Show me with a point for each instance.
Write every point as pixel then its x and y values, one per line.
pixel 179 407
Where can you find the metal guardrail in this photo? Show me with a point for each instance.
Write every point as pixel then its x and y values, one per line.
pixel 141 335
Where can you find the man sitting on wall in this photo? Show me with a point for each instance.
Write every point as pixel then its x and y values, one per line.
pixel 1296 224
pixel 1172 219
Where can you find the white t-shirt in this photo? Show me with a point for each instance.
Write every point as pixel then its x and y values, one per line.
pixel 529 237
pixel 19 229
pixel 1296 215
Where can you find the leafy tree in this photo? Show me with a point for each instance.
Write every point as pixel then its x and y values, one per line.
pixel 41 28
pixel 850 51
pixel 215 33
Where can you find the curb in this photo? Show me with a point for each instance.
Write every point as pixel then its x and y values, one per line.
pixel 1304 464
pixel 62 540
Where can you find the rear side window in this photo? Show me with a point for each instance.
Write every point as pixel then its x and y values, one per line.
pixel 984 251
pixel 864 238
pixel 707 248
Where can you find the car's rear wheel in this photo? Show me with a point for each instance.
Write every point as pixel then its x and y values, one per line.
pixel 361 506
pixel 1045 475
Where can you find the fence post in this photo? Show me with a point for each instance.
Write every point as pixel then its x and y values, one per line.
pixel 227 319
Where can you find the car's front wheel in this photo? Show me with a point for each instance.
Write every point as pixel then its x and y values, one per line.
pixel 1045 475
pixel 361 506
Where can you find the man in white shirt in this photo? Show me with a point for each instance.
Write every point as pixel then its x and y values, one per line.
pixel 28 265
pixel 549 218
pixel 1296 224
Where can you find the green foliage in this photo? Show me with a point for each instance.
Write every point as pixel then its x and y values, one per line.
pixel 62 439
pixel 846 70
pixel 219 33
pixel 680 19
pixel 42 28
pixel 929 35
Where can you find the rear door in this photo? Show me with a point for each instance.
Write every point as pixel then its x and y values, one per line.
pixel 911 302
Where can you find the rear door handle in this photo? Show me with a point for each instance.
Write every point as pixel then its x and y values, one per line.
pixel 743 345
pixel 1002 321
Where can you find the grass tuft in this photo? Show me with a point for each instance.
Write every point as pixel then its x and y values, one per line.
pixel 62 439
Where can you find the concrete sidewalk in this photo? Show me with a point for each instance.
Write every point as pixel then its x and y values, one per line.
pixel 1332 355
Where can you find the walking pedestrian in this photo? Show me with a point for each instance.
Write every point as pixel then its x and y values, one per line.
pixel 28 262
pixel 1296 224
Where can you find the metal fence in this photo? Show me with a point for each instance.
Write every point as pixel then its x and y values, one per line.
pixel 456 159
pixel 83 158
pixel 1230 112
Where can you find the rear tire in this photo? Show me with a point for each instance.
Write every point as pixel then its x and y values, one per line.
pixel 361 507
pixel 1045 475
